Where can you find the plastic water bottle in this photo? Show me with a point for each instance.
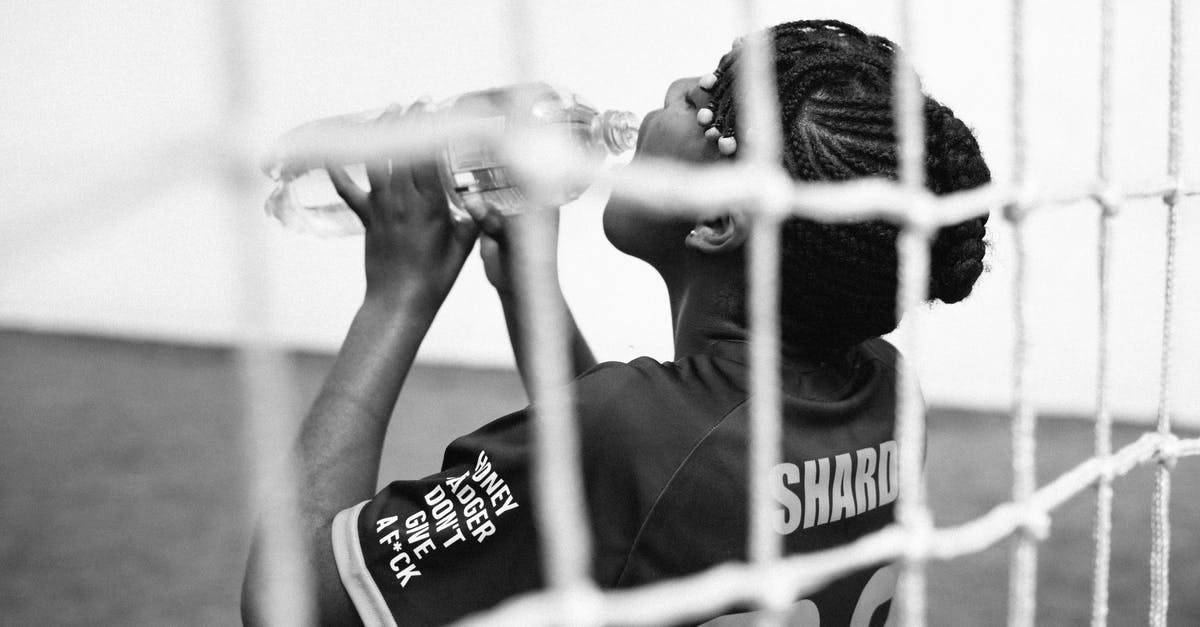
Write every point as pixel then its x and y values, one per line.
pixel 304 198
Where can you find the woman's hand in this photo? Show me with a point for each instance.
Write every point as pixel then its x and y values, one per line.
pixel 495 241
pixel 414 248
pixel 499 243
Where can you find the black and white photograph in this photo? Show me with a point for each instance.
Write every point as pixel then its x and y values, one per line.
pixel 724 313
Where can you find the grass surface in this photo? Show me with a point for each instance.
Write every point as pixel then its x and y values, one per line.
pixel 123 500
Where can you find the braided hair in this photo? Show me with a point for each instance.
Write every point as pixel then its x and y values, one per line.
pixel 839 281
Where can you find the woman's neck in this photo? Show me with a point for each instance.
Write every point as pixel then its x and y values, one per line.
pixel 710 306
pixel 703 310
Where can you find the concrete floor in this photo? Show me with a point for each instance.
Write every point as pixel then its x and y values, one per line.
pixel 123 499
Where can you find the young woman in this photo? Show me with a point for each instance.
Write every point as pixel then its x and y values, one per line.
pixel 662 444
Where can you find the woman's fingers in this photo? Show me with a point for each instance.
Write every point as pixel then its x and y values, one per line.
pixel 698 95
pixel 466 231
pixel 417 177
pixel 427 182
pixel 350 192
pixel 489 248
pixel 379 171
pixel 485 214
pixel 426 179
pixel 493 255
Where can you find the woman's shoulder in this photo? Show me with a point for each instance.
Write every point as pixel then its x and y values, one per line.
pixel 881 350
pixel 644 397
pixel 611 377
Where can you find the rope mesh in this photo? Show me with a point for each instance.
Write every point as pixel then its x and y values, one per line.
pixel 759 184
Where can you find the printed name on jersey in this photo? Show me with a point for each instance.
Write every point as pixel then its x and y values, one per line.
pixel 461 507
pixel 832 488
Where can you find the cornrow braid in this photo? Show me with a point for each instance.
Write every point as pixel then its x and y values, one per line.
pixel 802 59
pixel 835 92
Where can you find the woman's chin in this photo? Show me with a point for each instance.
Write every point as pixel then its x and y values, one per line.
pixel 638 231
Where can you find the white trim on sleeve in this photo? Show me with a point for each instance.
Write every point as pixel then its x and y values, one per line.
pixel 352 568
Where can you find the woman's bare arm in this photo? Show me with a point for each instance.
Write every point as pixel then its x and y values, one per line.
pixel 414 252
pixel 496 249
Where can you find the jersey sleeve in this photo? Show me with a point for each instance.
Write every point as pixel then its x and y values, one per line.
pixel 431 550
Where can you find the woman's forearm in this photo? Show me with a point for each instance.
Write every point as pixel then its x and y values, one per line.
pixel 413 251
pixel 341 440
pixel 581 354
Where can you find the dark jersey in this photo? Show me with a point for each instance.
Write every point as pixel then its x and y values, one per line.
pixel 663 450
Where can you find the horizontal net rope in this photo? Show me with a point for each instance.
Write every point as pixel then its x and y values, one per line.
pixel 716 186
pixel 698 595
pixel 689 189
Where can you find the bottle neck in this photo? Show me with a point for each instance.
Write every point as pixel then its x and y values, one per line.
pixel 617 130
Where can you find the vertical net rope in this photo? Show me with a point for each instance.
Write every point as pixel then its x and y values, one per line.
pixel 1109 205
pixel 1160 549
pixel 912 513
pixel 1023 570
pixel 763 149
pixel 264 371
pixel 558 503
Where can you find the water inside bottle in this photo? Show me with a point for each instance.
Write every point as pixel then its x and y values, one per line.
pixel 307 202
pixel 472 170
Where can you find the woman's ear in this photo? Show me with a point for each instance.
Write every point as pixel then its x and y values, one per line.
pixel 718 236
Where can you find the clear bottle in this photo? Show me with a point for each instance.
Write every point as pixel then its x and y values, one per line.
pixel 304 199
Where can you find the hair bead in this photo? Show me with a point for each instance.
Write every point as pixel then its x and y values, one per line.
pixel 727 145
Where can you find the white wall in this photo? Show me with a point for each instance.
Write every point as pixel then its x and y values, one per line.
pixel 112 218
